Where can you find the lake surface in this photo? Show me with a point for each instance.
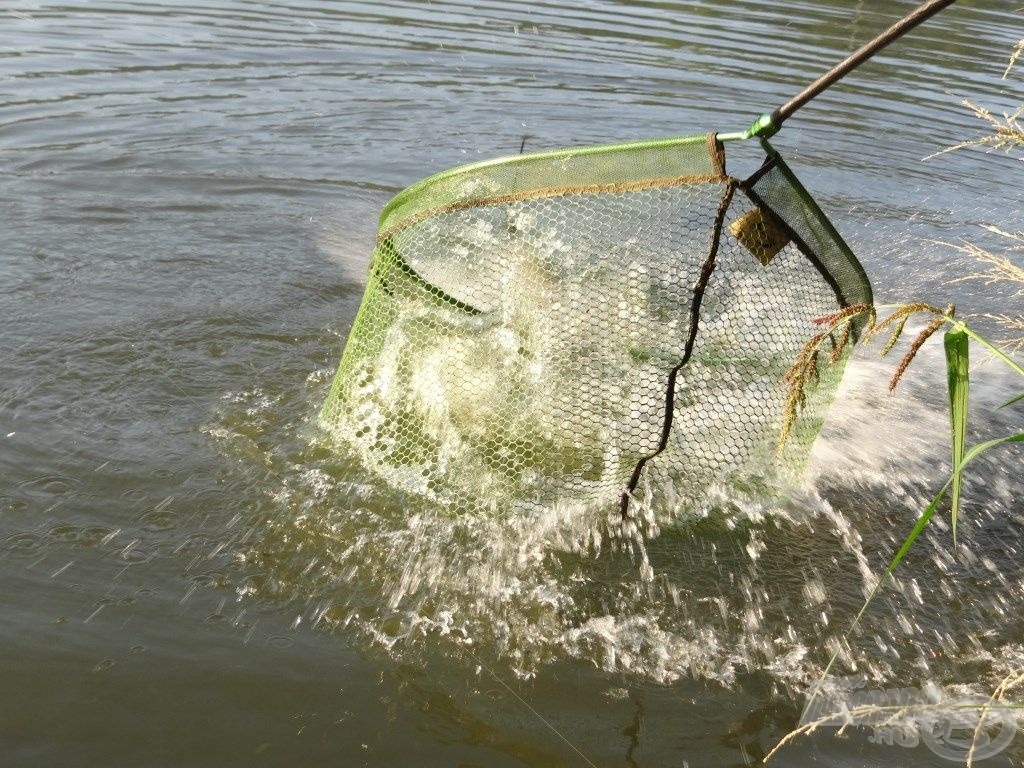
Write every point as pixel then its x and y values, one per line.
pixel 192 576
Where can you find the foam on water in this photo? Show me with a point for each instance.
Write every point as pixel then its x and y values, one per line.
pixel 754 578
pixel 653 600
pixel 707 579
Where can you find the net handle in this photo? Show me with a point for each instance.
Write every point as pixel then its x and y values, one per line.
pixel 767 125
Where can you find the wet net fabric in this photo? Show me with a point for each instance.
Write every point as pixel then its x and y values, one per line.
pixel 586 326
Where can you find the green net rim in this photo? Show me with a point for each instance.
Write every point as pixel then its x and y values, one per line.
pixel 422 187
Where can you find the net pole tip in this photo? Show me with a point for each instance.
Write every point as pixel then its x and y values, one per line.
pixel 766 126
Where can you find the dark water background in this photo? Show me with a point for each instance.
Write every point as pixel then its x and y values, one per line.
pixel 188 195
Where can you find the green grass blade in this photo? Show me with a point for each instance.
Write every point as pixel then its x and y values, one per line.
pixel 957 345
pixel 1013 400
pixel 926 515
pixel 908 542
pixel 919 526
pixel 922 521
pixel 982 447
pixel 996 351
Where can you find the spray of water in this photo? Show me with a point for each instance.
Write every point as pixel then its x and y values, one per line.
pixel 710 581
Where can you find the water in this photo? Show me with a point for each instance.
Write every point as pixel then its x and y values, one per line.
pixel 191 576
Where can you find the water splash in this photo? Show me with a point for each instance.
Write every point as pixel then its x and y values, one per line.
pixel 754 578
pixel 655 600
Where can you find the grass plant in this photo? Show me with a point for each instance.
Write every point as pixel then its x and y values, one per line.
pixel 1006 133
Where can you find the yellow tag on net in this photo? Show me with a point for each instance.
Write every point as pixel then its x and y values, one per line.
pixel 760 235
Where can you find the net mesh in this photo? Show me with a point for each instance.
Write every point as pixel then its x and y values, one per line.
pixel 571 327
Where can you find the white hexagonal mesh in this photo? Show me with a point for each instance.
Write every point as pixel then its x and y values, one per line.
pixel 523 320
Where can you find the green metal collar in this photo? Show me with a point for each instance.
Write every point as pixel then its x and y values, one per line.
pixel 764 127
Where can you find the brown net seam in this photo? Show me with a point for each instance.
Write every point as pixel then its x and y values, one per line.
pixel 717 152
pixel 549 192
pixel 698 296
